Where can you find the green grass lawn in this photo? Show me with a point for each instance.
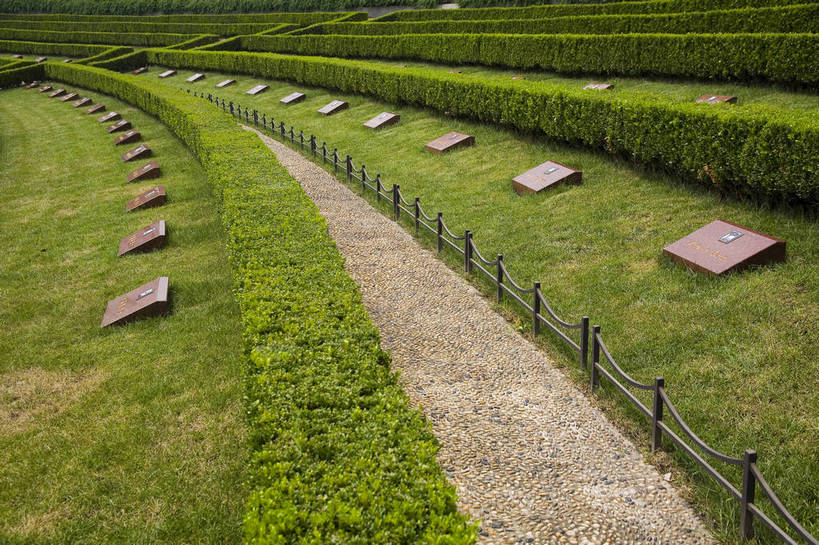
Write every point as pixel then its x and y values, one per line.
pixel 129 434
pixel 737 352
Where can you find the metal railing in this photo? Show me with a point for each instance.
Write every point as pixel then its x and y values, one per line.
pixel 533 301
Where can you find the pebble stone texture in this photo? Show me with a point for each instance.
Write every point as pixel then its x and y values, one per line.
pixel 531 458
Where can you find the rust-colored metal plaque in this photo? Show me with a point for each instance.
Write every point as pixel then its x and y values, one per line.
pixel 44 89
pixel 450 140
pixel 258 89
pixel 146 239
pixel 56 93
pixel 41 59
pixel 110 116
pixel 95 108
pixel 722 246
pixel 150 299
pixel 544 176
pixel 225 83
pixel 715 99
pixel 140 70
pixel 333 107
pixel 195 77
pixel 147 171
pixel 32 85
pixel 140 152
pixel 66 60
pixel 151 198
pixel 69 96
pixel 595 86
pixel 167 74
pixel 292 98
pixel 121 125
pixel 81 102
pixel 382 120
pixel 127 138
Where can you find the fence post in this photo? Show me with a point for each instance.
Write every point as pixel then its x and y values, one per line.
pixel 746 517
pixel 468 251
pixel 536 309
pixel 313 144
pixel 210 98
pixel 417 215
pixel 335 159
pixel 239 110
pixel 594 379
pixel 350 168
pixel 440 230
pixel 231 108
pixel 301 139
pixel 284 132
pixel 657 415
pixel 247 115
pixel 499 277
pixel 255 118
pixel 264 121
pixel 324 153
pixel 395 209
pixel 584 342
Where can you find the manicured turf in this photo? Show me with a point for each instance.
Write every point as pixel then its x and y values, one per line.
pixel 737 352
pixel 129 434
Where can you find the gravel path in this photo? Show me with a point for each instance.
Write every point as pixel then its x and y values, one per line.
pixel 532 459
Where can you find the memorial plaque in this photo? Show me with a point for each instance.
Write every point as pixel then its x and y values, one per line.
pixel 66 60
pixel 56 93
pixel 544 176
pixel 449 141
pixel 382 120
pixel 140 152
pixel 333 107
pixel 110 116
pixel 454 71
pixel 140 70
pixel 518 77
pixel 149 199
pixel 167 74
pixel 127 138
pixel 146 239
pixel 148 300
pixel 81 102
pixel 44 89
pixel 258 89
pixel 121 125
pixel 32 85
pixel 69 96
pixel 595 86
pixel 195 77
pixel 41 59
pixel 722 246
pixel 95 108
pixel 715 99
pixel 148 171
pixel 17 56
pixel 292 98
pixel 225 83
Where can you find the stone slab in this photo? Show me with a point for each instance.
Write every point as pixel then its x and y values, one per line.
pixel 544 176
pixel 66 60
pixel 110 116
pixel 17 56
pixel 148 171
pixel 44 89
pixel 333 107
pixel 41 59
pixel 258 89
pixel 596 86
pixel 81 102
pixel 127 138
pixel 140 70
pixel 225 83
pixel 722 246
pixel 454 71
pixel 140 152
pixel 150 299
pixel 167 74
pixel 121 125
pixel 95 108
pixel 32 85
pixel 146 239
pixel 195 77
pixel 56 93
pixel 382 120
pixel 518 77
pixel 449 141
pixel 153 197
pixel 716 99
pixel 69 96
pixel 292 98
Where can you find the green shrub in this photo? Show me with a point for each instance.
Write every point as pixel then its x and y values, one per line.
pixel 196 41
pixel 105 55
pixel 11 76
pixel 141 7
pixel 110 38
pixel 39 48
pixel 123 63
pixel 141 27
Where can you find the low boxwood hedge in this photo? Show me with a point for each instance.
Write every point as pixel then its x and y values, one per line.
pixel 109 38
pixel 11 75
pixel 339 456
pixel 42 48
pixel 220 29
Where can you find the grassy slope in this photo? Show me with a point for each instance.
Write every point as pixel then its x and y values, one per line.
pixel 121 435
pixel 736 352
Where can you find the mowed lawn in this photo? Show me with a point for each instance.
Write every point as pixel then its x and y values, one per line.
pixel 737 352
pixel 129 434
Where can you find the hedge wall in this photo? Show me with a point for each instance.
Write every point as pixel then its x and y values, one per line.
pixel 221 29
pixel 140 7
pixel 753 151
pixel 107 54
pixel 800 18
pixel 273 18
pixel 11 77
pixel 196 41
pixel 39 48
pixel 338 454
pixel 123 63
pixel 787 58
pixel 111 38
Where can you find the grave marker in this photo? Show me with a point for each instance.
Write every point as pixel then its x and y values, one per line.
pixel 81 102
pixel 449 141
pixel 41 59
pixel 127 138
pixel 140 152
pixel 545 175
pixel 167 74
pixel 140 70
pixel 382 120
pixel 595 86
pixel 32 85
pixel 121 125
pixel 195 77
pixel 258 89
pixel 716 99
pixel 69 96
pixel 56 93
pixel 17 56
pixel 150 299
pixel 225 83
pixel 95 108
pixel 454 71
pixel 518 77
pixel 146 239
pixel 110 116
pixel 292 98
pixel 333 107
pixel 66 60
pixel 149 199
pixel 147 171
pixel 44 89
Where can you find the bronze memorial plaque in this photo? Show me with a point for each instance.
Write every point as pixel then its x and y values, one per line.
pixel 292 98
pixel 56 93
pixel 449 141
pixel 258 89
pixel 41 59
pixel 167 74
pixel 599 86
pixel 147 171
pixel 140 70
pixel 382 120
pixel 140 152
pixel 69 96
pixel 148 300
pixel 544 176
pixel 146 239
pixel 81 102
pixel 154 197
pixel 110 116
pixel 333 107
pixel 715 99
pixel 127 138
pixel 95 108
pixel 44 89
pixel 121 125
pixel 225 83
pixel 722 246
pixel 195 77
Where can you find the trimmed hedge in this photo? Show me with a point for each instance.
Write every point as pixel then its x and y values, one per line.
pixel 748 150
pixel 216 7
pixel 800 18
pixel 123 63
pixel 273 18
pixel 339 456
pixel 786 58
pixel 12 76
pixel 196 41
pixel 105 55
pixel 40 48
pixel 220 29
pixel 111 38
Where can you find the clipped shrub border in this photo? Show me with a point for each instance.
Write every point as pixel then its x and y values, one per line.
pixel 70 25
pixel 110 38
pixel 41 48
pixel 338 454
pixel 11 76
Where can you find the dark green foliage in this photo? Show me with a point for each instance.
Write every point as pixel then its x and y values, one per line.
pixel 338 454
pixel 39 48
pixel 105 55
pixel 122 63
pixel 12 73
pixel 70 25
pixel 787 58
pixel 214 17
pixel 196 41
pixel 111 38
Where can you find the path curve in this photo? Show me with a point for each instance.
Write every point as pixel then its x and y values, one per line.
pixel 530 456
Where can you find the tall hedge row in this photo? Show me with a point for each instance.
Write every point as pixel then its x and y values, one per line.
pixel 11 76
pixel 141 7
pixel 107 54
pixel 338 454
pixel 799 18
pixel 754 151
pixel 786 58
pixel 40 48
pixel 110 38
pixel 278 17
pixel 221 29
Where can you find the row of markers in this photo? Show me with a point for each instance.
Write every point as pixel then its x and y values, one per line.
pixel 152 298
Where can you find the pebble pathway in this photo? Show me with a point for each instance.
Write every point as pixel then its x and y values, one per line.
pixel 532 459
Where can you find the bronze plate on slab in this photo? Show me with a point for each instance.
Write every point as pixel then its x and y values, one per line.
pixel 69 96
pixel 258 89
pixel 382 120
pixel 599 86
pixel 127 138
pixel 121 125
pixel 225 83
pixel 167 74
pixel 56 93
pixel 139 152
pixel 716 99
pixel 449 141
pixel 149 199
pixel 150 299
pixel 95 108
pixel 146 239
pixel 195 77
pixel 333 107
pixel 292 98
pixel 140 70
pixel 148 171
pixel 544 176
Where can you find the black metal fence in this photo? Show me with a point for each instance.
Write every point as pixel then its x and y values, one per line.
pixel 532 300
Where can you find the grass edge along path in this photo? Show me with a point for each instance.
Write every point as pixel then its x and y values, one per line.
pixel 337 453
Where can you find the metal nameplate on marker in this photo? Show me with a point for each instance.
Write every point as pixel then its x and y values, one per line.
pixel 145 293
pixel 730 237
pixel 550 170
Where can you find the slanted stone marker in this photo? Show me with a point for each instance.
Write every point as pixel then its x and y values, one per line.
pixel 546 175
pixel 32 85
pixel 722 246
pixel 449 141
pixel 292 98
pixel 167 74
pixel 333 107
pixel 44 89
pixel 146 239
pixel 195 77
pixel 56 93
pixel 69 96
pixel 121 125
pixel 127 138
pixel 715 99
pixel 110 116
pixel 41 59
pixel 518 77
pixel 17 56
pixel 147 171
pixel 150 299
pixel 454 71
pixel 599 86
pixel 258 89
pixel 66 60
pixel 382 120
pixel 95 108
pixel 140 152
pixel 140 70
pixel 81 102
pixel 154 197
pixel 225 83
